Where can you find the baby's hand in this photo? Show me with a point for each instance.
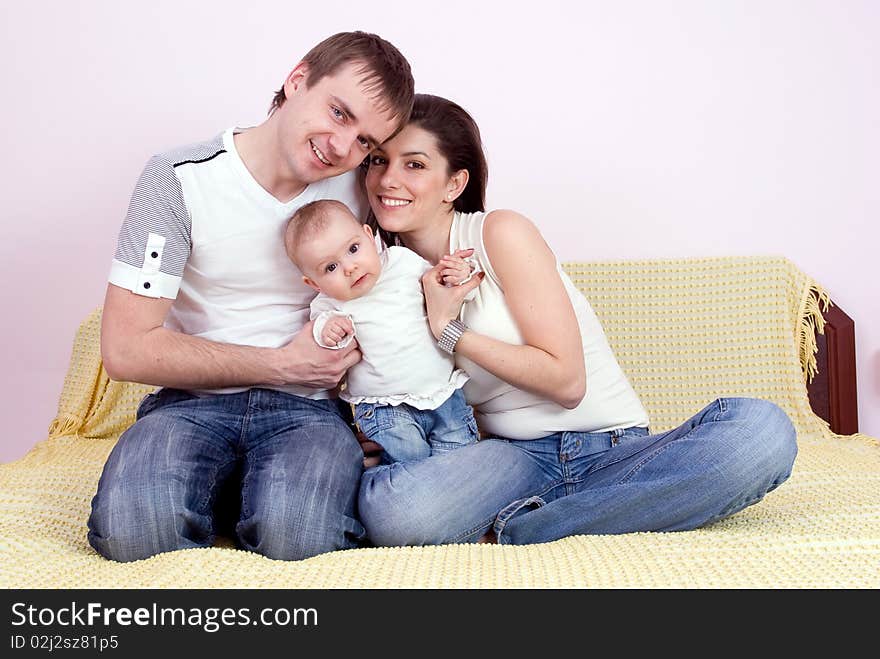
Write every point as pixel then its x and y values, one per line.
pixel 335 330
pixel 454 269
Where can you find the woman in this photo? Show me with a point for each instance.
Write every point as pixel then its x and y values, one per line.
pixel 570 451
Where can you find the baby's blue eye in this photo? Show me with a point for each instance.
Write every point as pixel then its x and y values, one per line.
pixel 331 267
pixel 354 248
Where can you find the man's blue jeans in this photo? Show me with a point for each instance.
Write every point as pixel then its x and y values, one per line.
pixel 726 457
pixel 298 462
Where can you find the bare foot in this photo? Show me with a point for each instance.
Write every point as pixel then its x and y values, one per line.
pixel 488 538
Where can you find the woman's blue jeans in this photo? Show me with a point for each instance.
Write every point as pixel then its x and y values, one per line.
pixel 726 457
pixel 295 462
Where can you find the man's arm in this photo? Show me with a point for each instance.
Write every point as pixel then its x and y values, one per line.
pixel 135 347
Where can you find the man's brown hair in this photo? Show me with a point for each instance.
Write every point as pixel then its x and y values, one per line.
pixel 385 70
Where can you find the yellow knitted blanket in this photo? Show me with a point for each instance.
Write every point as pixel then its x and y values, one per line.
pixel 685 331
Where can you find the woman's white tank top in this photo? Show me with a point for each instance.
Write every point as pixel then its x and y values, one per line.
pixel 501 409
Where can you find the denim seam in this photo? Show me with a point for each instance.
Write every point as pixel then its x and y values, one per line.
pixel 332 411
pixel 722 409
pixel 373 425
pixel 654 454
pixel 648 458
pixel 315 403
pixel 491 522
pixel 451 446
pixel 476 529
pixel 734 508
pixel 245 489
pixel 245 422
pixel 498 524
pixel 599 466
pixel 207 504
pixel 473 428
pixel 139 413
pixel 245 482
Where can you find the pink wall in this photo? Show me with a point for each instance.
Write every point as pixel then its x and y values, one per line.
pixel 625 130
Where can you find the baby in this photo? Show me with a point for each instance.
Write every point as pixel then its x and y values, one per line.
pixel 406 391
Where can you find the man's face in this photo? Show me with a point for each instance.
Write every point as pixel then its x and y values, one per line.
pixel 342 261
pixel 328 128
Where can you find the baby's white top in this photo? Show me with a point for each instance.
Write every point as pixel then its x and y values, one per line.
pixel 401 361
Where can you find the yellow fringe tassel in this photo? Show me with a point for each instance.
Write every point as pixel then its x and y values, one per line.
pixel 815 301
pixel 64 424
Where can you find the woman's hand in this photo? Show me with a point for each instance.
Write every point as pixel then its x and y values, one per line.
pixel 455 269
pixel 444 303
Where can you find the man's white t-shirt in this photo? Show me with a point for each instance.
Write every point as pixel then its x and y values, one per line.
pixel 202 231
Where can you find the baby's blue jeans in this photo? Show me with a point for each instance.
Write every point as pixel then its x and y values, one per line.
pixel 407 434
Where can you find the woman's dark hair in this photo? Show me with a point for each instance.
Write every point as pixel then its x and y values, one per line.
pixel 458 138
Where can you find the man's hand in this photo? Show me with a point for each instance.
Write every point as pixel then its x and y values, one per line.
pixel 302 361
pixel 136 347
pixel 335 330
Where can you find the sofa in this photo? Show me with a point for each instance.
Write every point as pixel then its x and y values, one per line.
pixel 686 331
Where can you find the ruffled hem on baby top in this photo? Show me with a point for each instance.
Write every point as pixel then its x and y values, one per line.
pixel 419 401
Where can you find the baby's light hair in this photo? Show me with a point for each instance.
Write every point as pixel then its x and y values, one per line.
pixel 307 221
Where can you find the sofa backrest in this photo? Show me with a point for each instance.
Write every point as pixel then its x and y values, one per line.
pixel 685 331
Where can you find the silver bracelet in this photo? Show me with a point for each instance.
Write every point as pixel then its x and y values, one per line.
pixel 450 335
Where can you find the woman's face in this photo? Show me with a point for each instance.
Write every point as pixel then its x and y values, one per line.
pixel 408 181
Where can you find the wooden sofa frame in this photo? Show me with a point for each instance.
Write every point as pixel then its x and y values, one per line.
pixel 832 391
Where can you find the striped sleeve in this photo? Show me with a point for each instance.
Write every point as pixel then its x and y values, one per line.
pixel 155 238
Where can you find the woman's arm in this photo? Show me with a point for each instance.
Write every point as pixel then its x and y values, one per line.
pixel 550 364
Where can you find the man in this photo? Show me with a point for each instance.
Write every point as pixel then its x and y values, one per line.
pixel 203 301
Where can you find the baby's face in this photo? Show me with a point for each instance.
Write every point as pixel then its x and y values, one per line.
pixel 342 261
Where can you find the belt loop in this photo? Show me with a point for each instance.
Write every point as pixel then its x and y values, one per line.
pixel 615 436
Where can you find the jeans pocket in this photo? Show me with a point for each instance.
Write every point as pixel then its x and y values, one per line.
pixel 447 446
pixel 373 419
pixel 630 443
pixel 472 427
pixel 147 405
pixel 160 398
pixel 465 434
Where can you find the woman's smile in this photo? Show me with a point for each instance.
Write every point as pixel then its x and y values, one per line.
pixel 393 202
